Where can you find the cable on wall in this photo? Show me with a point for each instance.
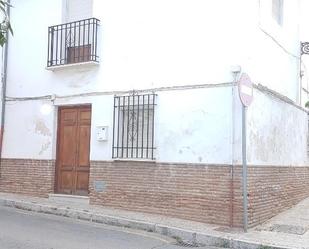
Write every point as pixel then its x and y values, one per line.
pixel 92 94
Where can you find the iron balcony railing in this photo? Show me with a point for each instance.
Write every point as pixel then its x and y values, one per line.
pixel 73 42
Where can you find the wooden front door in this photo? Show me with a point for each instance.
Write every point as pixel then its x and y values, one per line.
pixel 73 147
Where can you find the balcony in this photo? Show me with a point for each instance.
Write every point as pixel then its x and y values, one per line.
pixel 73 43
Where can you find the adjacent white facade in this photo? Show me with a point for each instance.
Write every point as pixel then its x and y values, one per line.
pixel 185 52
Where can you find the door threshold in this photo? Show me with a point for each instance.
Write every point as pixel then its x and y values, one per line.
pixel 79 199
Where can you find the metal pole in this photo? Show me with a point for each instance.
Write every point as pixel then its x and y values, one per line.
pixel 3 81
pixel 244 168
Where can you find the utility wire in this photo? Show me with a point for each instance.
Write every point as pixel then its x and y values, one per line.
pixel 91 94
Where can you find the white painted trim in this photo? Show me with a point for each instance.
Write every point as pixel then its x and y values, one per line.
pixel 134 160
pixel 62 198
pixel 73 65
pixel 69 196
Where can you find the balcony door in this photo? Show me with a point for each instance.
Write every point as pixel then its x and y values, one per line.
pixel 73 149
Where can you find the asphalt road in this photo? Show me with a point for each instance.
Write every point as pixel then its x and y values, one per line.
pixel 28 230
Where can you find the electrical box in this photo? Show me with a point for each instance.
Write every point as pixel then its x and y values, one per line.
pixel 102 133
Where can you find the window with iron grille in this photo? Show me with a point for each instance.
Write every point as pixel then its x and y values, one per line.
pixel 133 128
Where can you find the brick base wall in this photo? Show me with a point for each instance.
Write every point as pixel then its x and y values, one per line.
pixel 205 193
pixel 274 189
pixel 27 176
pixel 195 192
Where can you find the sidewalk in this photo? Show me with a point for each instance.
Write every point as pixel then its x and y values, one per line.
pixel 287 230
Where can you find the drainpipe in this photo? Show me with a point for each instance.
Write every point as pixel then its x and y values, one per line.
pixel 3 82
pixel 235 70
pixel 233 153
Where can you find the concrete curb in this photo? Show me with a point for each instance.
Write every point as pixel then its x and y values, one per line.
pixel 188 236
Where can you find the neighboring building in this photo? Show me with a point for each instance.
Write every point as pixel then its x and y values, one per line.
pixel 135 104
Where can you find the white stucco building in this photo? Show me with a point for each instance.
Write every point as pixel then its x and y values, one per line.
pixel 160 78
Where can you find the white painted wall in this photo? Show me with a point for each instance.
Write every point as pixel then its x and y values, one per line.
pixel 193 126
pixel 304 36
pixel 149 44
pixel 28 133
pixel 277 132
pixel 185 130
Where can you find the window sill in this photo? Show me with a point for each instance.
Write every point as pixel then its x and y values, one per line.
pixel 87 64
pixel 134 160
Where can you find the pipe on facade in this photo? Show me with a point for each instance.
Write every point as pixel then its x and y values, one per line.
pixel 233 155
pixel 3 82
pixel 236 70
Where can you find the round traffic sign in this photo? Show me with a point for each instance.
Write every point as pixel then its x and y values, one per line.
pixel 245 89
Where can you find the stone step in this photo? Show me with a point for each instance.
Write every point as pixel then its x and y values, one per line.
pixel 63 198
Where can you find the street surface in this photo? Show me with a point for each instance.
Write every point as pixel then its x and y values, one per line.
pixel 27 230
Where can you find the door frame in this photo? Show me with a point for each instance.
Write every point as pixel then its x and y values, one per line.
pixel 60 107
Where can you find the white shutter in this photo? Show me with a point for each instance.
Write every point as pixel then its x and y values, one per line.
pixel 77 10
pixel 277 11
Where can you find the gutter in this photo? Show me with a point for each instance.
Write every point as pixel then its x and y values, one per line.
pixel 3 83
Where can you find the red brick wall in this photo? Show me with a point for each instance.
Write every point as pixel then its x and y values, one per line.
pixel 196 192
pixel 202 193
pixel 274 189
pixel 205 193
pixel 27 176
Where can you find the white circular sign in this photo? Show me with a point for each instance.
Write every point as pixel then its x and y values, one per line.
pixel 245 89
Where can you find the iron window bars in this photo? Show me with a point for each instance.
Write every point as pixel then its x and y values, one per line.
pixel 73 42
pixel 133 126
